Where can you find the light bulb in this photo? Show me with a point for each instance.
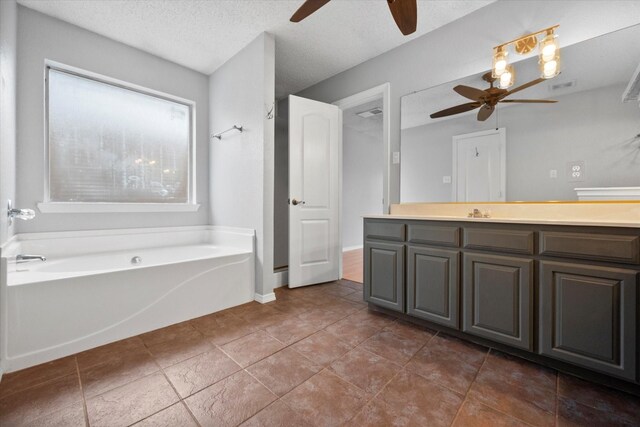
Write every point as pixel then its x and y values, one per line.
pixel 506 79
pixel 548 52
pixel 550 69
pixel 499 63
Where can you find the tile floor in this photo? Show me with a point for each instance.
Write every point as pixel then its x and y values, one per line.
pixel 315 357
pixel 352 265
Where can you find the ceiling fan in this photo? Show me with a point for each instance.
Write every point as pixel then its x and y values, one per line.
pixel 487 99
pixel 405 13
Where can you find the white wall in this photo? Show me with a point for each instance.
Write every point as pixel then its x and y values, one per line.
pixel 463 48
pixel 363 162
pixel 41 37
pixel 281 191
pixel 593 126
pixel 242 165
pixel 8 77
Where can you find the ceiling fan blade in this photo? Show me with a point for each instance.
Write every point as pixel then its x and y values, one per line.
pixel 307 8
pixel 523 87
pixel 531 101
pixel 455 110
pixel 405 13
pixel 485 112
pixel 470 92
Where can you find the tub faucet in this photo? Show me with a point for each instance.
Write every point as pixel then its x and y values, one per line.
pixel 20 258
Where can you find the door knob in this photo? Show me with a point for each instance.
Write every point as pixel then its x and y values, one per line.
pixel 295 202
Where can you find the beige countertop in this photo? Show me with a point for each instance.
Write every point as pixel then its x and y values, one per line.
pixel 607 214
pixel 577 222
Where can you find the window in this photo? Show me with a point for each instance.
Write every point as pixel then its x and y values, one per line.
pixel 109 142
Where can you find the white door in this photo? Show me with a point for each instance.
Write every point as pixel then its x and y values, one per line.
pixel 315 132
pixel 479 166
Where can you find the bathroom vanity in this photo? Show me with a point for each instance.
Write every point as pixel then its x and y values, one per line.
pixel 562 292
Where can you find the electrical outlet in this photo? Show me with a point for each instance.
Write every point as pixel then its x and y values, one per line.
pixel 553 173
pixel 575 171
pixel 396 157
pixel 446 180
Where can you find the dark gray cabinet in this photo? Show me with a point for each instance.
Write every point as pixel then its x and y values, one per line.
pixel 498 299
pixel 588 316
pixel 569 293
pixel 433 284
pixel 384 274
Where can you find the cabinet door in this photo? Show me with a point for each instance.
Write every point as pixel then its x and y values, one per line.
pixel 433 285
pixel 588 316
pixel 498 299
pixel 384 274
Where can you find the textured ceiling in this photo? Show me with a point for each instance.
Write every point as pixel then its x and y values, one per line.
pixel 602 61
pixel 203 35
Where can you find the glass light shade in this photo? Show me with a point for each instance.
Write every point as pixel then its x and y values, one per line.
pixel 549 57
pixel 507 78
pixel 550 69
pixel 499 63
pixel 549 47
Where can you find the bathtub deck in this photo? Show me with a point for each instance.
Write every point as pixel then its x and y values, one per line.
pixel 316 356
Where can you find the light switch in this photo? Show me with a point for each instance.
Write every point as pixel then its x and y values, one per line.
pixel 446 180
pixel 553 173
pixel 396 157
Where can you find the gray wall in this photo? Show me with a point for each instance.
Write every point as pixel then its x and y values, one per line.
pixel 242 164
pixel 463 48
pixel 41 37
pixel 362 161
pixel 281 193
pixel 8 82
pixel 592 126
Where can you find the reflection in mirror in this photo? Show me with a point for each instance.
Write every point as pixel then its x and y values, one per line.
pixel 589 139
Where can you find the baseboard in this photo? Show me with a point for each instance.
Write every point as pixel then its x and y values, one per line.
pixel 263 299
pixel 351 248
pixel 280 278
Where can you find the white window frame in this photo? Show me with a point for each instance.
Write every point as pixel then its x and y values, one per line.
pixel 48 206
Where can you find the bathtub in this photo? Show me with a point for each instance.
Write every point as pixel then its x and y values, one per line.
pixel 89 292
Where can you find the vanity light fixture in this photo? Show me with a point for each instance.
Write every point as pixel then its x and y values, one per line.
pixel 549 56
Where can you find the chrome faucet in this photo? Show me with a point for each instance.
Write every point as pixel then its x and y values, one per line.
pixel 20 258
pixel 477 214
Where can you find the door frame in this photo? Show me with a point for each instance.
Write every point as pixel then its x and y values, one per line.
pixel 381 91
pixel 502 132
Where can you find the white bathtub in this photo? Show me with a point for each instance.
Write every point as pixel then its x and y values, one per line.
pixel 89 293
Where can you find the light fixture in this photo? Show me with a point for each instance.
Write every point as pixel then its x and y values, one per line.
pixel 549 56
pixel 499 62
pixel 507 78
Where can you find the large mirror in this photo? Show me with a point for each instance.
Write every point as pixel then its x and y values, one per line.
pixel 586 146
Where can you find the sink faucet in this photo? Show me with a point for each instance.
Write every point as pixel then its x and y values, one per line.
pixel 20 258
pixel 477 214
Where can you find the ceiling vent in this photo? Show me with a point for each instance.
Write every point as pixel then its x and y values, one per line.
pixel 370 112
pixel 562 85
pixel 632 92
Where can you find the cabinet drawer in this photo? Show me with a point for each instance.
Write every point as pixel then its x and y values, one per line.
pixel 602 247
pixel 588 316
pixel 512 241
pixel 385 230
pixel 434 235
